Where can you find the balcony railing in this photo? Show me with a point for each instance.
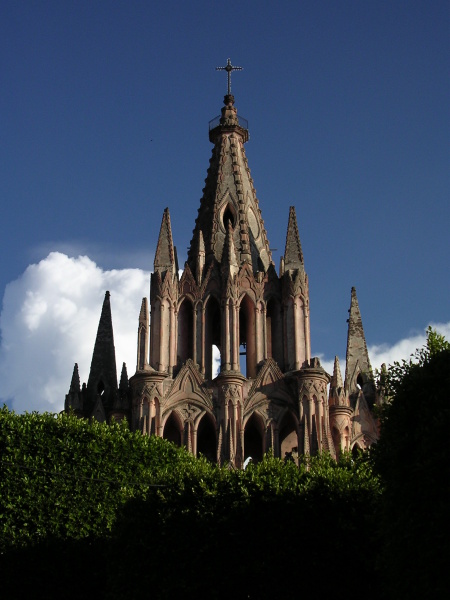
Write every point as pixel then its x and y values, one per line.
pixel 216 122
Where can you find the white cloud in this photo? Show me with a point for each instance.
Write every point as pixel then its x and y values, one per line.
pixel 404 348
pixel 49 321
pixel 388 354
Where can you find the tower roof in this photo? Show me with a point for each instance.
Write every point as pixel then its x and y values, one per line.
pixel 229 196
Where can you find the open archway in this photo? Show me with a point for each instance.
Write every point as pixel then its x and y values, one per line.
pixel 206 439
pixel 173 430
pixel 185 346
pixel 274 332
pixel 212 334
pixel 253 439
pixel 288 436
pixel 247 336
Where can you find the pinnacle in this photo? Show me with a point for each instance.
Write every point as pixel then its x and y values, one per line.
pixel 293 254
pixel 123 378
pixel 143 314
pixel 103 365
pixel 75 383
pixel 336 380
pixel 165 252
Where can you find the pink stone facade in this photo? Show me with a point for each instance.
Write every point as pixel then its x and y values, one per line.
pixel 269 393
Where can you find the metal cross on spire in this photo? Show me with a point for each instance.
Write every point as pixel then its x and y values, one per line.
pixel 228 68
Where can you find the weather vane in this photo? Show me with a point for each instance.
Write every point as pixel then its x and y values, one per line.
pixel 228 68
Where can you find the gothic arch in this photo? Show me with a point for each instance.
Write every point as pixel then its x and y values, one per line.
pixel 274 330
pixel 206 437
pixel 173 429
pixel 213 320
pixel 288 434
pixel 185 341
pixel 247 333
pixel 228 213
pixel 254 437
pixel 150 415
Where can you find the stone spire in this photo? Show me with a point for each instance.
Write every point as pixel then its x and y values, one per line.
pixel 165 255
pixel 293 255
pixel 103 374
pixel 358 372
pixel 75 383
pixel 229 195
pixel 123 386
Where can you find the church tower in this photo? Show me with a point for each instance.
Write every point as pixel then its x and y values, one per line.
pixel 224 362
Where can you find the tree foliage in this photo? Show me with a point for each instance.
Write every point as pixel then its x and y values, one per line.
pixel 412 457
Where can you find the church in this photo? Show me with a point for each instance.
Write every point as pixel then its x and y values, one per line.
pixel 269 393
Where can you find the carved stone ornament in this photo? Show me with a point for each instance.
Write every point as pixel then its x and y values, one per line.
pixel 231 391
pixel 189 411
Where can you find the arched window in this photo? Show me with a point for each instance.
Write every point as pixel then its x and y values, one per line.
pixel 247 336
pixel 185 346
pixel 274 332
pixel 155 334
pixel 212 334
pixel 229 215
pixel 142 350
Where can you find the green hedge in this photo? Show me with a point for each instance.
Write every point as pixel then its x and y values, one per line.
pixel 94 510
pixel 65 477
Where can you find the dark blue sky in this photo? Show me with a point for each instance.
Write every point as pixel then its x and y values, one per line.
pixel 104 122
